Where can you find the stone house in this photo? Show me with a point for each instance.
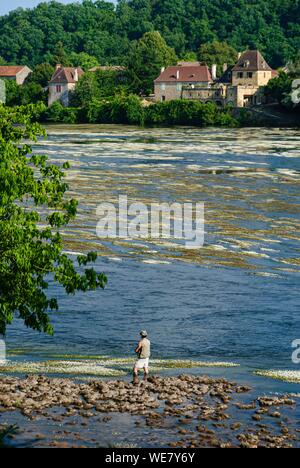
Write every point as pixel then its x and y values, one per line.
pixel 240 86
pixel 16 73
pixel 62 83
pixel 169 84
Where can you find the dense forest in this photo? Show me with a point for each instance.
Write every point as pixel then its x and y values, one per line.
pixel 108 32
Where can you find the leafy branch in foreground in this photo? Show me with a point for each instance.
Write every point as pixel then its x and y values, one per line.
pixel 33 208
pixel 6 431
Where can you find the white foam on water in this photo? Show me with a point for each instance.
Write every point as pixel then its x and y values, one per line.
pixel 156 262
pixel 291 376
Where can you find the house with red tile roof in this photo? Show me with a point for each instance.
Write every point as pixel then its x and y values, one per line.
pixel 16 73
pixel 62 83
pixel 240 86
pixel 169 84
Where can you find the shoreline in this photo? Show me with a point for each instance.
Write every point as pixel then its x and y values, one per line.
pixel 186 411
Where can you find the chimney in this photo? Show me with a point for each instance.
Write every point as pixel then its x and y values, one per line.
pixel 162 69
pixel 214 72
pixel 177 75
pixel 76 74
pixel 58 66
pixel 225 67
pixel 239 55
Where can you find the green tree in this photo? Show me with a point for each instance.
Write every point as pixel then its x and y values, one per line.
pixel 13 93
pixel 146 59
pixel 41 74
pixel 31 246
pixel 59 56
pixel 279 88
pixel 86 90
pixel 189 57
pixel 83 60
pixel 29 93
pixel 105 31
pixel 294 67
pixel 218 53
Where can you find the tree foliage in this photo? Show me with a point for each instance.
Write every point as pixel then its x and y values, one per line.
pixel 218 53
pixel 52 31
pixel 33 209
pixel 146 59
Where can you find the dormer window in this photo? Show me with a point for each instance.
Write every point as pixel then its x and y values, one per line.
pixel 246 64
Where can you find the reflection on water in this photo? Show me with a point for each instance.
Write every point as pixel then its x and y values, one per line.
pixel 237 298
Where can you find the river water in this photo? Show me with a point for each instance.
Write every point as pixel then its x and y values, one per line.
pixel 234 300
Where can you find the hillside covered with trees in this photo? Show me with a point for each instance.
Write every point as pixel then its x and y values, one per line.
pixel 100 32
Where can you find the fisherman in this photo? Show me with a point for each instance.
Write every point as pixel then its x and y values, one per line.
pixel 143 352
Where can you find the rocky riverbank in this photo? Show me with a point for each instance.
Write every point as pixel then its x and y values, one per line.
pixel 191 411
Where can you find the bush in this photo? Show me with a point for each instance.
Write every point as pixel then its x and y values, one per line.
pixel 118 110
pixel 184 112
pixel 124 109
pixel 57 113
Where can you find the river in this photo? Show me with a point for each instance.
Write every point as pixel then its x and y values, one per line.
pixel 235 300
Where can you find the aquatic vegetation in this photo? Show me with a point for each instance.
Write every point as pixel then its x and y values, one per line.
pixel 185 364
pixel 283 375
pixel 62 368
pixel 249 204
pixel 100 366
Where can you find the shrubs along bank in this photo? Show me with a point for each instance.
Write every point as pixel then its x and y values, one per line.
pixel 131 111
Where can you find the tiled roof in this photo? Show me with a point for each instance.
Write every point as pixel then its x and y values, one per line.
pixel 185 74
pixel 7 70
pixel 66 75
pixel 252 60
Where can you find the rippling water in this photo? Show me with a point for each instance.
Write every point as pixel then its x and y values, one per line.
pixel 235 299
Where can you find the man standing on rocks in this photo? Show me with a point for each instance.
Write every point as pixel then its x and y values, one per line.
pixel 143 352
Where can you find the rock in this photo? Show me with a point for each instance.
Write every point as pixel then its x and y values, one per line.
pixel 242 389
pixel 249 441
pixel 256 417
pixel 235 426
pixel 275 401
pixel 276 415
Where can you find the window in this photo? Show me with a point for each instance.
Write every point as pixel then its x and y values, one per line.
pixel 58 88
pixel 240 75
pixel 179 86
pixel 163 86
pixel 250 75
pixel 163 98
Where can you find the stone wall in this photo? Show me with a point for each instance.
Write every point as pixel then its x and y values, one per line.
pixel 258 78
pixel 63 96
pixel 171 91
pixel 22 75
